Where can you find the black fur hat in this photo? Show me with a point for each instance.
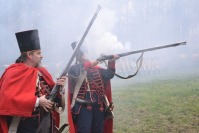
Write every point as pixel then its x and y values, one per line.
pixel 28 40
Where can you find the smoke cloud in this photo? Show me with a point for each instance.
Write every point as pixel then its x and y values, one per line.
pixel 121 26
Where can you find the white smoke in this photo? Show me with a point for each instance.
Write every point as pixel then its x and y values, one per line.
pixel 120 26
pixel 101 39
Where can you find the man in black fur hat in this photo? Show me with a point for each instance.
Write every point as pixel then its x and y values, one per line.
pixel 23 88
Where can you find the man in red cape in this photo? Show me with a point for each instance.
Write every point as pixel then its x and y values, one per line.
pixel 87 109
pixel 23 87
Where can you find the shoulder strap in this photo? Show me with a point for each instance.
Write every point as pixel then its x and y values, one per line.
pixel 77 87
pixel 14 124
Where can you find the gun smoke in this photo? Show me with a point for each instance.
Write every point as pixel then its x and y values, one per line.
pixel 121 26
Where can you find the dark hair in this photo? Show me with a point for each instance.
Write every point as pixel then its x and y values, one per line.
pixel 22 58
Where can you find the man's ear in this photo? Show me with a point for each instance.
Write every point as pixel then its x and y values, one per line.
pixel 29 54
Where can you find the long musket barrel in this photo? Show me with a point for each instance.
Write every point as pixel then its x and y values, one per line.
pixel 55 89
pixel 107 57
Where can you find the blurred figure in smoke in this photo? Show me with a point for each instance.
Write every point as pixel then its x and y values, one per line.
pixel 86 103
pixel 23 87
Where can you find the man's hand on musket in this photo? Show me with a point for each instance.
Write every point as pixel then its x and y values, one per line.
pixel 61 81
pixel 115 57
pixel 45 103
pixel 95 62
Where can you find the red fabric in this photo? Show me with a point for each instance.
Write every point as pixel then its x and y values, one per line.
pixel 70 120
pixel 17 87
pixel 48 78
pixel 108 124
pixel 3 125
pixel 87 65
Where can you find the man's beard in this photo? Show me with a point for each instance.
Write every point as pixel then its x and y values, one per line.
pixel 39 64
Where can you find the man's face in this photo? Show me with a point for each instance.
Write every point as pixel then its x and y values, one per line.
pixel 36 57
pixel 84 58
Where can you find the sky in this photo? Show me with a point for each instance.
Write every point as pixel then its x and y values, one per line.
pixel 121 26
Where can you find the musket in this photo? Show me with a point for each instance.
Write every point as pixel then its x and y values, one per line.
pixel 108 57
pixel 45 123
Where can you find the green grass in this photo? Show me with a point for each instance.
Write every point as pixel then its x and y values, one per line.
pixel 161 106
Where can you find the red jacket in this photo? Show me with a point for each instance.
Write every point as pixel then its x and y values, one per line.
pixel 17 92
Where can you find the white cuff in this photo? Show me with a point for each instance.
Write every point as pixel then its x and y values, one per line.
pixel 37 103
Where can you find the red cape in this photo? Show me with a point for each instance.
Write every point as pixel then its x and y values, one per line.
pixel 108 124
pixel 17 90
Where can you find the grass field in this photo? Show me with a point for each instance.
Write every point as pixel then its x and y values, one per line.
pixel 162 105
